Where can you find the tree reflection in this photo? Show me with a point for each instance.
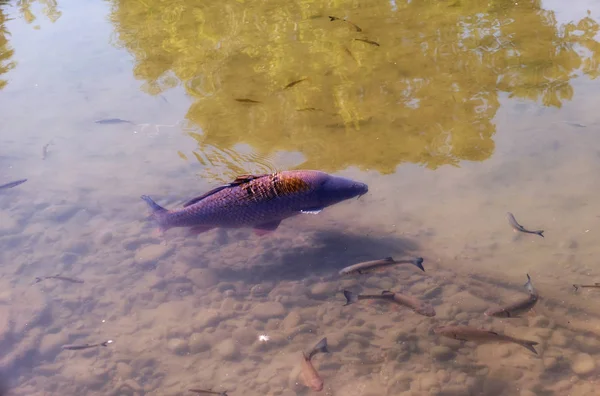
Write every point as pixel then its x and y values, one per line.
pixel 6 52
pixel 426 95
pixel 24 6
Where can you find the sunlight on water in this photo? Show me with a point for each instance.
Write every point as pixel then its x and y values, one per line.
pixel 102 102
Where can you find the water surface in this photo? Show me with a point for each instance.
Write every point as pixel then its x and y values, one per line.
pixel 464 111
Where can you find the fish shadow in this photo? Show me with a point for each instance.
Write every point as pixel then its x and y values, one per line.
pixel 331 251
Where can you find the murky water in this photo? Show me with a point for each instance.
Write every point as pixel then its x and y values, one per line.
pixel 454 113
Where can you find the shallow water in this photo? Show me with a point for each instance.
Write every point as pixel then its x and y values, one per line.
pixel 466 110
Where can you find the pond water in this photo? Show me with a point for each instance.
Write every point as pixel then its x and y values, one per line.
pixel 454 112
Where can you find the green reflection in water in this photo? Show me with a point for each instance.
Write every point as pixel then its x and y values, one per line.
pixel 49 9
pixel 6 52
pixel 426 95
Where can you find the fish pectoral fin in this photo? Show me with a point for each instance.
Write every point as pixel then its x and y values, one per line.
pixel 265 228
pixel 311 210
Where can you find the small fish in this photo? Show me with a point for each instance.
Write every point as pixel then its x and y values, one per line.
pixel 595 285
pixel 516 309
pixel 350 54
pixel 73 347
pixel 260 202
pixel 420 307
pixel 244 100
pixel 519 227
pixel 45 149
pixel 332 18
pixel 309 374
pixel 367 41
pixel 62 278
pixel 107 121
pixel 368 266
pixel 208 392
pixel 12 184
pixel 290 85
pixel 309 109
pixel 466 333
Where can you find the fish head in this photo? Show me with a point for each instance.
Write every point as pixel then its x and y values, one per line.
pixel 316 383
pixel 334 189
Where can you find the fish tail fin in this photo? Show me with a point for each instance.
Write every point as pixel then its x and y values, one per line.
pixel 157 212
pixel 529 345
pixel 540 233
pixel 350 297
pixel 321 347
pixel 529 285
pixel 576 287
pixel 38 280
pixel 419 263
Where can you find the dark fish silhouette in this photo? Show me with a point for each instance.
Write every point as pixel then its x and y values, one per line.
pixel 208 392
pixel 73 347
pixel 595 285
pixel 62 278
pixel 12 184
pixel 112 121
pixel 466 333
pixel 290 85
pixel 513 222
pixel 367 41
pixel 245 100
pixel 333 18
pixel 258 201
pixel 420 307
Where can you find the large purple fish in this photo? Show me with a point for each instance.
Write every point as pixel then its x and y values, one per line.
pixel 260 202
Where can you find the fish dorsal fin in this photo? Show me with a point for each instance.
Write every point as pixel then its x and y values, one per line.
pixel 201 197
pixel 387 293
pixel 493 332
pixel 390 258
pixel 241 179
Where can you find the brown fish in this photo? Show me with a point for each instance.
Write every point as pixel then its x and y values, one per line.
pixel 290 85
pixel 45 149
pixel 518 227
pixel 368 266
pixel 355 26
pixel 420 307
pixel 73 347
pixel 518 308
pixel 466 333
pixel 62 278
pixel 367 41
pixel 245 100
pixel 595 285
pixel 12 184
pixel 208 392
pixel 309 374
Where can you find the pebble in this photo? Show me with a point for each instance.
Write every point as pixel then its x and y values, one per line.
pixel 202 278
pixel 150 254
pixel 322 289
pixel 199 342
pixel 267 310
pixel 227 349
pixel 124 370
pixel 261 289
pixel 291 321
pixel 106 237
pixel 178 346
pixel 441 352
pixel 583 364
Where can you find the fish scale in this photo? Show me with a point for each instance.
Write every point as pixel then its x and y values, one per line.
pixel 259 201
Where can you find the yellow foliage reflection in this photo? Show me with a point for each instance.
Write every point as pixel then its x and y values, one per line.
pixel 420 84
pixel 6 52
